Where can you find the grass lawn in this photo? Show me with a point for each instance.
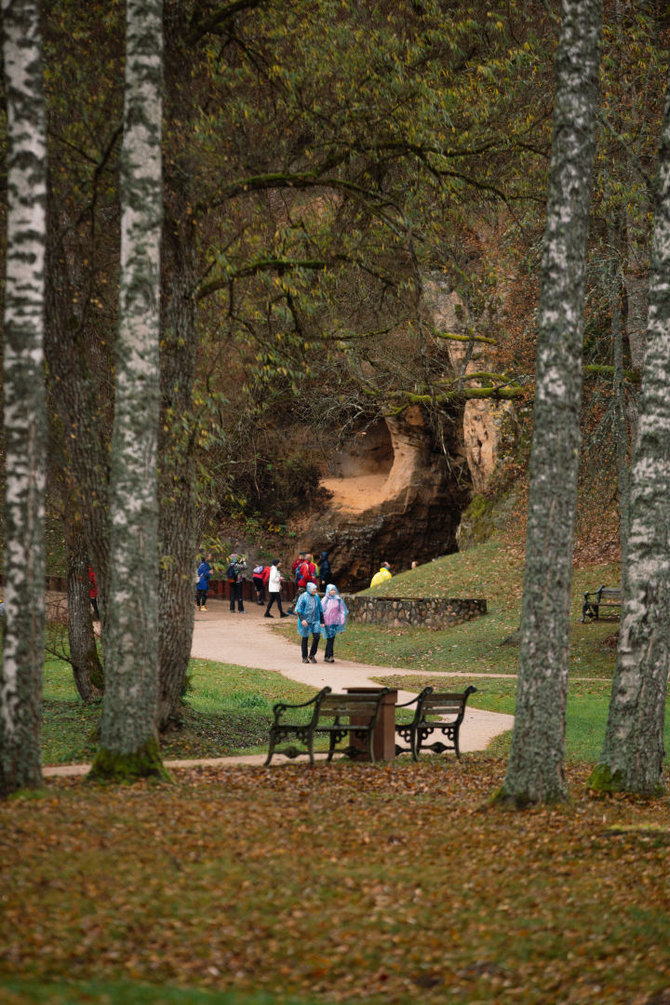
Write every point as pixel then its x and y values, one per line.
pixel 227 711
pixel 495 573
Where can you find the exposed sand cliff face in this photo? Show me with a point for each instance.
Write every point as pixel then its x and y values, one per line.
pixel 487 425
pixel 393 497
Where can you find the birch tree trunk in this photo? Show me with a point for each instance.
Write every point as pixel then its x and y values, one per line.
pixel 128 742
pixel 24 400
pixel 632 755
pixel 535 772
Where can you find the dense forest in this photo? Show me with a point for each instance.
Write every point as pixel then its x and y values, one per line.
pixel 327 169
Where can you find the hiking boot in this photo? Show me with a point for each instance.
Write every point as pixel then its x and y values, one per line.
pixel 312 659
pixel 305 660
pixel 283 615
pixel 266 615
pixel 328 659
pixel 203 608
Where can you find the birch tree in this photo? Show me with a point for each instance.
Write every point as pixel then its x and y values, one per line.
pixel 129 742
pixel 632 755
pixel 535 771
pixel 24 400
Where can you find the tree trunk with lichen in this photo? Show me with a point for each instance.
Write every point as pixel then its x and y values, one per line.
pixel 24 401
pixel 177 430
pixel 535 773
pixel 128 734
pixel 633 749
pixel 86 666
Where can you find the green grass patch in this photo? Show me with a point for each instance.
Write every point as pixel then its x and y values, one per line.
pixel 586 713
pixel 228 710
pixel 122 993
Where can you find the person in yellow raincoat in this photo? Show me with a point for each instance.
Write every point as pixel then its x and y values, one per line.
pixel 383 574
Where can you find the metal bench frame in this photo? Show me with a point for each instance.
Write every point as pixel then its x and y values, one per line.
pixel 283 729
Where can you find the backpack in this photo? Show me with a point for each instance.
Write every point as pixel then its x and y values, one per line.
pixel 302 572
pixel 233 572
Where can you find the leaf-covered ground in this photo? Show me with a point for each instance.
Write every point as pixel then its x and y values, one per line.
pixel 348 883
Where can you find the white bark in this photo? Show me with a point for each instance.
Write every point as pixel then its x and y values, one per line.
pixel 632 757
pixel 24 400
pixel 131 649
pixel 535 772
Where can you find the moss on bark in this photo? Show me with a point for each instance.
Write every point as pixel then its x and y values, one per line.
pixel 143 763
pixel 522 801
pixel 602 779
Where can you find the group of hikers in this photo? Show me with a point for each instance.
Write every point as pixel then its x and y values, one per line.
pixel 316 615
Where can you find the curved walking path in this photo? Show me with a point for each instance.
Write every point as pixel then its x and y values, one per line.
pixel 248 640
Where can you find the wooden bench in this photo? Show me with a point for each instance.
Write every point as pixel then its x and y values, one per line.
pixel 287 724
pixel 352 716
pixel 436 711
pixel 604 596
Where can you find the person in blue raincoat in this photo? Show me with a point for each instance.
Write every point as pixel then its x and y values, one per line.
pixel 334 619
pixel 202 586
pixel 309 613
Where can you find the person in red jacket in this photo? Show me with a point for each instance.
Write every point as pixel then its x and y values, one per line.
pixel 307 573
pixel 93 593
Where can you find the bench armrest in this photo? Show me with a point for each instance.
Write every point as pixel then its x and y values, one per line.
pixel 412 701
pixel 281 706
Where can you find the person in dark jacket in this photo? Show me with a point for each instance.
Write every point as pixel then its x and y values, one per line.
pixel 235 577
pixel 325 571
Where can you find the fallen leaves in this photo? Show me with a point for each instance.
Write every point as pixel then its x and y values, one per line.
pixel 342 883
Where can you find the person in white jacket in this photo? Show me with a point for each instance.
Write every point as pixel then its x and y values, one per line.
pixel 274 587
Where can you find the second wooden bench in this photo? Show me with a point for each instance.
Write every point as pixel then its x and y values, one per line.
pixel 436 712
pixel 604 596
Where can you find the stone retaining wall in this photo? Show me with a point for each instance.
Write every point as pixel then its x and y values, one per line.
pixel 429 612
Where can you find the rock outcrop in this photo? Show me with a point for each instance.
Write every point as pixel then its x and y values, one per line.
pixel 488 426
pixel 392 498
